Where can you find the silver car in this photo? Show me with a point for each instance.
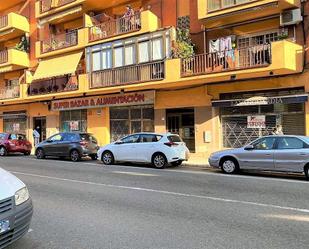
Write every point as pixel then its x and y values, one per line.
pixel 276 153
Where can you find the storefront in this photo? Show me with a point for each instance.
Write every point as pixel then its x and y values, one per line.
pixel 247 116
pixel 117 114
pixel 15 121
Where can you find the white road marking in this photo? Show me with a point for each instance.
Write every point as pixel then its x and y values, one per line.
pixel 133 173
pixel 219 199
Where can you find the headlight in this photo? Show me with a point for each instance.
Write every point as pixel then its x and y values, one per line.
pixel 21 196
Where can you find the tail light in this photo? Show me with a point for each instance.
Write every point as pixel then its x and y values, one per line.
pixel 171 144
pixel 83 143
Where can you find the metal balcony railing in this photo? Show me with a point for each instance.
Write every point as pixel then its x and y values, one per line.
pixel 3 56
pixel 235 59
pixel 3 21
pixel 128 75
pixel 60 41
pixel 46 5
pixel 59 84
pixel 105 27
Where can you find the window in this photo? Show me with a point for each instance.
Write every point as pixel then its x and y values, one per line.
pixel 2 136
pixel 264 143
pixel 118 57
pixel 143 52
pixel 107 59
pixel 55 138
pixel 157 49
pixel 70 137
pixel 149 138
pixel 290 143
pixel 130 139
pixel 129 55
pixel 73 120
pixel 96 60
pixel 174 139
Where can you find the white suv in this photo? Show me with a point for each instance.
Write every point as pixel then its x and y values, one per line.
pixel 15 209
pixel 158 149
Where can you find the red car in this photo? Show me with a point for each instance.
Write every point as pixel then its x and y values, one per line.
pixel 12 143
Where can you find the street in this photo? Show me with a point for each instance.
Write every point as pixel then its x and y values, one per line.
pixel 86 205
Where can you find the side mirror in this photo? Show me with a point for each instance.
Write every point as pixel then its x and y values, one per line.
pixel 249 147
pixel 119 142
pixel 49 141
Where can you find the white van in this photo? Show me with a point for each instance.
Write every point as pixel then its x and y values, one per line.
pixel 15 209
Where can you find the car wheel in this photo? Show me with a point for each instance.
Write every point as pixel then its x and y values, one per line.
pixel 159 160
pixel 94 157
pixel 306 170
pixel 40 154
pixel 229 166
pixel 108 158
pixel 75 156
pixel 3 151
pixel 27 153
pixel 177 163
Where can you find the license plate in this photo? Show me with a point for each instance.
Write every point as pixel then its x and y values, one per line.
pixel 4 226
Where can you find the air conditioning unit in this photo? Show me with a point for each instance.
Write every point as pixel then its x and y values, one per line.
pixel 290 17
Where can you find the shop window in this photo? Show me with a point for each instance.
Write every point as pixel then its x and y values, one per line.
pixel 128 120
pixel 73 120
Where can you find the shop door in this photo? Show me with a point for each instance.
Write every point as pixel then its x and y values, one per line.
pixel 181 122
pixel 40 123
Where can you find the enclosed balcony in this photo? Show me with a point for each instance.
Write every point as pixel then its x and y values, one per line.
pixel 277 58
pixel 13 59
pixel 216 13
pixel 13 25
pixel 10 90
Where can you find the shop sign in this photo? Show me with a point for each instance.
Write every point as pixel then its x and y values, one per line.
pixel 126 99
pixel 257 121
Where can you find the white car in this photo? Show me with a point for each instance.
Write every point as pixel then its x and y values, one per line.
pixel 15 209
pixel 158 149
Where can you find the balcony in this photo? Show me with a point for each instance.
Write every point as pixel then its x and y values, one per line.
pixel 277 58
pixel 13 25
pixel 12 59
pixel 7 93
pixel 53 85
pixel 127 75
pixel 51 11
pixel 223 12
pixel 61 43
pixel 104 29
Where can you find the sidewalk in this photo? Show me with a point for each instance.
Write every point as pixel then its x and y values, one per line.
pixel 197 161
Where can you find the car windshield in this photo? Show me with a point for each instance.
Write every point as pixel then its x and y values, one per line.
pixel 17 136
pixel 306 140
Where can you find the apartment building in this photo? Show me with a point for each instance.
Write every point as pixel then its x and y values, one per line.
pixel 109 67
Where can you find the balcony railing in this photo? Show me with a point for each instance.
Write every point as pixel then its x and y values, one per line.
pixel 108 27
pixel 128 75
pixel 3 21
pixel 10 92
pixel 236 59
pixel 3 56
pixel 60 41
pixel 214 5
pixel 46 5
pixel 59 84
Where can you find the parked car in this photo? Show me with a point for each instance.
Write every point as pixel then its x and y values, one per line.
pixel 275 153
pixel 68 144
pixel 158 149
pixel 15 209
pixel 13 143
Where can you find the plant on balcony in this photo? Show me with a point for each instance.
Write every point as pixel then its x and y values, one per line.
pixel 183 47
pixel 23 45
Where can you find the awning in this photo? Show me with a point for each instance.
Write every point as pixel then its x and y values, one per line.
pixel 58 66
pixel 6 69
pixel 261 100
pixel 61 14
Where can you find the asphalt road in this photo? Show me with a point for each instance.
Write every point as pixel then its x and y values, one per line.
pixel 87 205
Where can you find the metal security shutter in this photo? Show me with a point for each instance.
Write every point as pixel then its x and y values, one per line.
pixel 293 124
pixel 236 134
